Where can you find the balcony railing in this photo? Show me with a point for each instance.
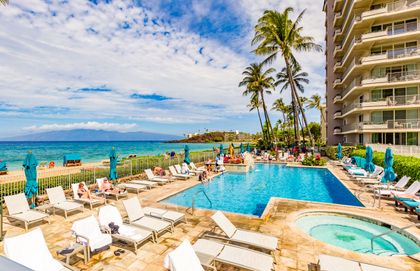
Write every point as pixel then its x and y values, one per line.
pixel 391 31
pixel 391 7
pixel 406 124
pixel 384 102
pixel 392 77
pixel 392 54
pixel 337 98
pixel 355 83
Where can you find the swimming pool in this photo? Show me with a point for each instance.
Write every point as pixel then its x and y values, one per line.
pixel 356 233
pixel 249 193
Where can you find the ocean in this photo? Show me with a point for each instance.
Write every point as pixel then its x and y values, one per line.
pixel 14 152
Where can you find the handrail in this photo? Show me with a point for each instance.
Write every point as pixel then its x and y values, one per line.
pixel 388 232
pixel 193 200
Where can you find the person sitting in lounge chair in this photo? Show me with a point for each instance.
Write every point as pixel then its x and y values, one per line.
pixel 108 187
pixel 84 193
pixel 158 171
pixel 185 169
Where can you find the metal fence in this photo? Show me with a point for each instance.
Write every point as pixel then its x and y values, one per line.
pixel 88 174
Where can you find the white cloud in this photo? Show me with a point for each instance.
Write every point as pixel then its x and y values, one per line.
pixel 65 46
pixel 93 125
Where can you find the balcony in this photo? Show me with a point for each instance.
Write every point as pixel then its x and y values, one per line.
pixel 337 17
pixel 337 114
pixel 336 82
pixel 392 54
pixel 337 4
pixel 392 78
pixel 337 98
pixel 391 7
pixel 399 124
pixel 391 101
pixel 391 31
pixel 337 130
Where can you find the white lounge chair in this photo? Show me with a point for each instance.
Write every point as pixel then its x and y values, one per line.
pixel 331 263
pixel 183 258
pixel 168 215
pixel 18 208
pixel 130 234
pixel 194 167
pixel 411 190
pixel 91 202
pixel 357 172
pixel 59 201
pixel 30 250
pixel 116 195
pixel 177 175
pixel 178 169
pixel 148 184
pixel 250 238
pixel 154 178
pixel 138 218
pixel 241 257
pixel 374 175
pixel 88 232
pixel 397 186
pixel 134 187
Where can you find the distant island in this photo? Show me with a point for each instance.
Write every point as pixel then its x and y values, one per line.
pixel 212 137
pixel 92 135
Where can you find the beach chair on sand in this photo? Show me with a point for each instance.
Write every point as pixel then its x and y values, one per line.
pixel 157 179
pixel 175 174
pixel 58 201
pixel 88 232
pixel 208 252
pixel 148 184
pixel 18 208
pixel 249 238
pixel 331 263
pixel 116 195
pixel 137 217
pixel 91 202
pixel 130 234
pixel 30 250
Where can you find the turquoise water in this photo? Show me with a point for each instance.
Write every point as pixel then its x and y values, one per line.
pixel 14 152
pixel 355 234
pixel 249 193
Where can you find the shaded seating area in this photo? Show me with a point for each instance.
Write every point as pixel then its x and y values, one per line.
pixel 72 160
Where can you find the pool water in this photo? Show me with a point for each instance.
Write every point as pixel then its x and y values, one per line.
pixel 249 193
pixel 355 234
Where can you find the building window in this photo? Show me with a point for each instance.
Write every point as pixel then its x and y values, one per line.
pixel 361 141
pixel 412 138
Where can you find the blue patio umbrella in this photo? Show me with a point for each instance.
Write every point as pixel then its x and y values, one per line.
pixel 31 187
pixel 113 164
pixel 389 174
pixel 369 166
pixel 187 154
pixel 221 150
pixel 241 147
pixel 248 147
pixel 339 154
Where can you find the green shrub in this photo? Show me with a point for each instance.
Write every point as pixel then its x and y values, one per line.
pixel 403 165
pixel 314 161
pixel 331 151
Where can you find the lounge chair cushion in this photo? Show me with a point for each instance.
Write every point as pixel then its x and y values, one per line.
pixel 166 214
pixel 68 205
pixel 134 186
pixel 183 258
pixel 151 223
pixel 16 203
pixel 30 250
pixel 330 263
pixel 89 228
pixel 29 216
pixel 134 233
pixel 56 195
pixel 133 209
pixel 256 239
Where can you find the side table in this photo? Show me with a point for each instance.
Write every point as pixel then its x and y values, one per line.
pixel 77 248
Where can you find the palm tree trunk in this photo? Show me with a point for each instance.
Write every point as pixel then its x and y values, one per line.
pixel 259 117
pixel 267 119
pixel 293 89
pixel 304 120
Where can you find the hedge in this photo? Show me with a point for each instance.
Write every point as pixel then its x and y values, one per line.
pixel 403 165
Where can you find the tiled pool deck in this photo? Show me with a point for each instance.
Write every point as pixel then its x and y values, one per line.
pixel 296 249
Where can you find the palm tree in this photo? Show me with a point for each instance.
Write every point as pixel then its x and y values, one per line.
pixel 259 82
pixel 4 2
pixel 256 104
pixel 276 33
pixel 299 78
pixel 315 102
pixel 280 106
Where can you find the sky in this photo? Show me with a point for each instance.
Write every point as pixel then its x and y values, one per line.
pixel 169 66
